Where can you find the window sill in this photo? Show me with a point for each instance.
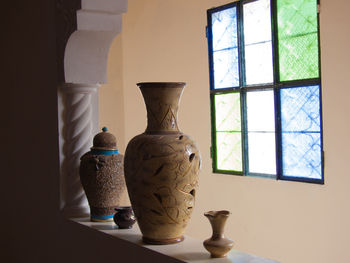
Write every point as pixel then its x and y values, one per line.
pixel 190 250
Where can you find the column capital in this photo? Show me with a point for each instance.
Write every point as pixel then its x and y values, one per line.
pixel 79 88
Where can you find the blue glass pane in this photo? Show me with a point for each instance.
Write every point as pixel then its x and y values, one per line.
pixel 301 155
pixel 301 133
pixel 300 108
pixel 224 28
pixel 226 68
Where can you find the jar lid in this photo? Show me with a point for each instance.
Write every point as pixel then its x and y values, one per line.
pixel 104 141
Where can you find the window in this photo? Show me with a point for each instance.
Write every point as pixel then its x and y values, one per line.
pixel 265 89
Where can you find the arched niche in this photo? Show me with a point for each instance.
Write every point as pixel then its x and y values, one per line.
pixel 86 30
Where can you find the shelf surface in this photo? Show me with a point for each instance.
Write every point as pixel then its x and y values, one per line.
pixel 191 250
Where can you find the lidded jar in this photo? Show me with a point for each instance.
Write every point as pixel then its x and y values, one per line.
pixel 102 176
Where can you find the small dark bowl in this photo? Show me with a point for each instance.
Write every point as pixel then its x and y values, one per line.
pixel 124 217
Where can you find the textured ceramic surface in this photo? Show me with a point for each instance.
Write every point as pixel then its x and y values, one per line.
pixel 218 245
pixel 102 177
pixel 161 168
pixel 124 217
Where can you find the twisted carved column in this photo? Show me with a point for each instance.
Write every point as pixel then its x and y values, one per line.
pixel 86 29
pixel 77 135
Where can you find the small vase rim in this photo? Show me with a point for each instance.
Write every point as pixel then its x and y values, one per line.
pixel 123 208
pixel 217 213
pixel 160 84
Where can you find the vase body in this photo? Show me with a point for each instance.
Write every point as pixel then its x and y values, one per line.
pixel 102 177
pixel 161 168
pixel 218 245
pixel 124 217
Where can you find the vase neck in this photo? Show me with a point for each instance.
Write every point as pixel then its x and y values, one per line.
pixel 218 225
pixel 162 101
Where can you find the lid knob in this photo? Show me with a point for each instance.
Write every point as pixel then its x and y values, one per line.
pixel 104 141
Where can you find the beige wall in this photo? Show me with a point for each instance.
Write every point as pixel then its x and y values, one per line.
pixel 111 103
pixel 111 100
pixel 164 40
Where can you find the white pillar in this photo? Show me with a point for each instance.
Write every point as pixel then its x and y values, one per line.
pixel 85 61
pixel 78 125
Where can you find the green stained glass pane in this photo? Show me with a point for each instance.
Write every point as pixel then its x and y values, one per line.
pixel 297 39
pixel 296 17
pixel 229 151
pixel 228 132
pixel 298 58
pixel 228 112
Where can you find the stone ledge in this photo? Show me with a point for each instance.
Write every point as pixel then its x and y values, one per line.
pixel 190 250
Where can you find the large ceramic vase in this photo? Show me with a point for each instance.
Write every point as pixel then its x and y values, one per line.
pixel 161 168
pixel 102 176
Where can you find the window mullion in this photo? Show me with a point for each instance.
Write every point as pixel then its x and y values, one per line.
pixel 273 8
pixel 244 133
pixel 213 152
pixel 211 81
pixel 278 136
pixel 320 99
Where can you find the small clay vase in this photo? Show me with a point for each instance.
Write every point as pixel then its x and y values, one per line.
pixel 124 217
pixel 218 245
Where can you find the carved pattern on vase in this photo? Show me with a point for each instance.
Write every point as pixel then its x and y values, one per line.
pixel 161 168
pixel 168 172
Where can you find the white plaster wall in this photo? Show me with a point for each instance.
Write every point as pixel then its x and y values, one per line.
pixel 287 221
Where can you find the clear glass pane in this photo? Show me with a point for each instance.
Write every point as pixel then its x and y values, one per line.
pixel 229 151
pixel 224 28
pixel 261 111
pixel 301 136
pixel 261 132
pixel 226 68
pixel 258 63
pixel 257 41
pixel 228 112
pixel 298 40
pixel 257 22
pixel 262 153
pixel 300 109
pixel 301 155
pixel 298 57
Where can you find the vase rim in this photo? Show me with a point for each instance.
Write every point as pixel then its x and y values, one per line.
pixel 161 84
pixel 123 208
pixel 217 213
